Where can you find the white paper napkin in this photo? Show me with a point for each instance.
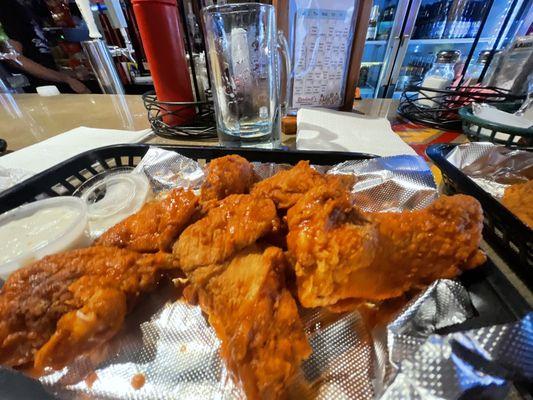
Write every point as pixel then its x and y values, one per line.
pixel 43 155
pixel 320 129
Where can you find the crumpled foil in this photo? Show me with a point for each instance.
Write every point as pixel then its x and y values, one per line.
pixel 394 183
pixel 172 345
pixel 491 166
pixel 168 169
pixel 474 364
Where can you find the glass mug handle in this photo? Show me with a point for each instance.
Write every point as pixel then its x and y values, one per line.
pixel 283 48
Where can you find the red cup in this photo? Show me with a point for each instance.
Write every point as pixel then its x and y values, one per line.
pixel 163 42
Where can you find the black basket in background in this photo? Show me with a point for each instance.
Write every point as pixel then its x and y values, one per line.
pixel 481 130
pixel 510 236
pixel 440 108
pixel 201 126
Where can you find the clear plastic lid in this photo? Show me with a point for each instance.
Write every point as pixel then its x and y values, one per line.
pixel 113 196
pixel 37 229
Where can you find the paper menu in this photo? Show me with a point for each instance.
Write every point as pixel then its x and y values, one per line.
pixel 322 38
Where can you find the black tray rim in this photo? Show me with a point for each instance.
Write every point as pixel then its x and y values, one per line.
pixel 438 152
pixel 517 228
pixel 101 153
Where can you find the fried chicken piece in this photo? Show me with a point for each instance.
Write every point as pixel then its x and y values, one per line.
pixel 286 187
pixel 235 223
pixel 256 318
pixel 66 304
pixel 226 175
pixel 518 199
pixel 156 226
pixel 340 253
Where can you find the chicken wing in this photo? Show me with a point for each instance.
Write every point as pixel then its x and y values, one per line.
pixel 256 318
pixel 340 253
pixel 235 223
pixel 226 175
pixel 518 198
pixel 286 187
pixel 156 226
pixel 66 304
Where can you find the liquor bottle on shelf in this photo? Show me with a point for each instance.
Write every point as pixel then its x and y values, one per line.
pixel 439 23
pixel 363 76
pixel 386 21
pixel 372 31
pixel 478 11
pixel 466 21
pixel 427 26
pixel 454 19
pixel 421 22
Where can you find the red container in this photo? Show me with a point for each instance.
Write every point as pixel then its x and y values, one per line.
pixel 162 38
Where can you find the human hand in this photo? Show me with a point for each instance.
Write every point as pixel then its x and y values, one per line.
pixel 77 86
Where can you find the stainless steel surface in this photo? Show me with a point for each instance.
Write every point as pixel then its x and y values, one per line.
pixel 103 66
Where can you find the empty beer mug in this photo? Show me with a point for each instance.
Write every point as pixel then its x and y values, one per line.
pixel 243 48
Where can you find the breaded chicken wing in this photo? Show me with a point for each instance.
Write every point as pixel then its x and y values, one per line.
pixel 226 175
pixel 340 253
pixel 518 198
pixel 256 318
pixel 286 187
pixel 156 226
pixel 66 304
pixel 235 223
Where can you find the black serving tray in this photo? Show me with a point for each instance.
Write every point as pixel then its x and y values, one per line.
pixel 65 178
pixel 494 297
pixel 504 231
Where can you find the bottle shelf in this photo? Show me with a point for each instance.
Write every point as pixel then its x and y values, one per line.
pixel 376 42
pixel 370 63
pixel 447 40
pixel 368 91
pixel 430 41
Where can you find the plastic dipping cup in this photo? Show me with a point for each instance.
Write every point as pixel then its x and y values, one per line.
pixel 41 228
pixel 162 37
pixel 113 199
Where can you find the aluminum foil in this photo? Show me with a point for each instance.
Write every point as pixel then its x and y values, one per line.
pixel 390 183
pixel 477 363
pixel 170 343
pixel 168 169
pixel 493 167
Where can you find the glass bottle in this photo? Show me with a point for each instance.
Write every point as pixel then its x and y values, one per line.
pixel 373 24
pixel 439 77
pixel 386 21
pixel 475 70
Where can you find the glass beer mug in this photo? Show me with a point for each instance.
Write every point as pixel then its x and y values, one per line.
pixel 243 48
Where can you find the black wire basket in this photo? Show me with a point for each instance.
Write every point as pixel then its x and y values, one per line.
pixel 440 108
pixel 201 126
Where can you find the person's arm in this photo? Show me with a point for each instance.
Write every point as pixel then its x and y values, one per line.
pixel 37 70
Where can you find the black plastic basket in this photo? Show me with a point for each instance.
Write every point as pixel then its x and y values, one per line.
pixel 445 103
pixel 65 178
pixel 510 236
pixel 494 298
